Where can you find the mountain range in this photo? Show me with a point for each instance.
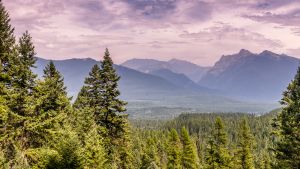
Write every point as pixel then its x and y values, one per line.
pixel 191 70
pixel 249 76
pixel 240 82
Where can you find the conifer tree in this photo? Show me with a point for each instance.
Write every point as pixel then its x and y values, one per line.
pixel 173 150
pixel 13 94
pixel 189 154
pixel 150 157
pixel 7 45
pixel 111 106
pixel 100 93
pixel 217 153
pixel 7 65
pixel 91 143
pixel 24 79
pixel 287 125
pixel 245 144
pixel 51 107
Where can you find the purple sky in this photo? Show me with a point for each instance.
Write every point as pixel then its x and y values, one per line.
pixel 196 30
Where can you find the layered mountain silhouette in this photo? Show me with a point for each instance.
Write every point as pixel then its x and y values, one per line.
pixel 192 71
pixel 259 77
pixel 151 85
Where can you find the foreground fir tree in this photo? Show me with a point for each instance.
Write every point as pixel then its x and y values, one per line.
pixel 173 150
pixel 245 147
pixel 52 105
pixel 7 56
pixel 150 158
pixel 287 125
pixel 189 153
pixel 111 106
pixel 24 79
pixel 217 156
pixel 100 94
pixel 7 45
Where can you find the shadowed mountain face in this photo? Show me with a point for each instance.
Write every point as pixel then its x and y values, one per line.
pixel 133 84
pixel 259 77
pixel 192 71
pixel 160 92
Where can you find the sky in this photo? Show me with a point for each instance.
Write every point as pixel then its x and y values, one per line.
pixel 200 31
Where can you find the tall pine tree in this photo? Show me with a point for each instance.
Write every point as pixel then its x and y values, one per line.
pixel 111 106
pixel 217 152
pixel 189 153
pixel 100 93
pixel 287 125
pixel 7 45
pixel 174 150
pixel 24 79
pixel 245 147
pixel 52 105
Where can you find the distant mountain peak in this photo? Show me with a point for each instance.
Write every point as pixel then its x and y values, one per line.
pixel 191 70
pixel 267 52
pixel 244 52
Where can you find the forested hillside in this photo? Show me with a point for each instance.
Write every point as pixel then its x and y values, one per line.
pixel 41 129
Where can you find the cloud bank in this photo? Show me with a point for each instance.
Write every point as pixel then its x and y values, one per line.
pixel 196 30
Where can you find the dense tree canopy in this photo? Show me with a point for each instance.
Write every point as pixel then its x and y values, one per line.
pixel 288 127
pixel 41 128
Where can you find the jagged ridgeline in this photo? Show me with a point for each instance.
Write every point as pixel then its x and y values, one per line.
pixel 41 129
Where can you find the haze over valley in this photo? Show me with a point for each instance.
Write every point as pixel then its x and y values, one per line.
pixel 241 82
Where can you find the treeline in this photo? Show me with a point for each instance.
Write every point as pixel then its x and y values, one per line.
pixel 41 128
pixel 218 140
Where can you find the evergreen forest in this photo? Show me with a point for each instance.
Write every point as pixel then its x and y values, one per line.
pixel 41 127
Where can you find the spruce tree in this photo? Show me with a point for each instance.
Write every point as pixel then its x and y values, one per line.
pixel 16 83
pixel 7 45
pixel 111 106
pixel 100 93
pixel 150 157
pixel 24 79
pixel 173 150
pixel 287 125
pixel 245 145
pixel 189 153
pixel 217 152
pixel 52 105
pixel 91 143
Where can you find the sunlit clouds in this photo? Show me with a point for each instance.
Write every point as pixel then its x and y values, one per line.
pixel 199 31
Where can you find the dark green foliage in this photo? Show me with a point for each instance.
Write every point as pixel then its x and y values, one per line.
pixel 111 106
pixel 287 125
pixel 7 58
pixel 189 155
pixel 245 147
pixel 40 129
pixel 100 95
pixel 7 44
pixel 174 150
pixel 150 157
pixel 51 107
pixel 217 151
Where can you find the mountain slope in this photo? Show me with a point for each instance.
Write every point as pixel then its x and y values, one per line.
pixel 259 77
pixel 132 83
pixel 153 95
pixel 192 71
pixel 180 80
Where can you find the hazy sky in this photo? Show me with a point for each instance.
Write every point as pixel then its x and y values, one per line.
pixel 196 30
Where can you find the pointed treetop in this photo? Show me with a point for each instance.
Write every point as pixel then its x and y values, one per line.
pixel 51 71
pixel 26 49
pixel 7 39
pixel 106 58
